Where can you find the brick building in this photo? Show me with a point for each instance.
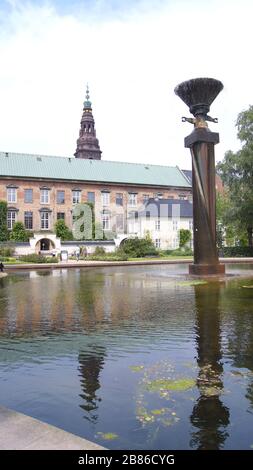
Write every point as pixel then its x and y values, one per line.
pixel 41 189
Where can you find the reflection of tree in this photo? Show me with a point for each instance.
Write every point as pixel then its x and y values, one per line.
pixel 90 366
pixel 238 303
pixel 249 394
pixel 209 415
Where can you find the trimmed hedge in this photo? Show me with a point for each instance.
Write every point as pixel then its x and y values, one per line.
pixel 33 258
pixel 107 258
pixel 237 251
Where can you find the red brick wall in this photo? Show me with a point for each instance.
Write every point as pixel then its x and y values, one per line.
pixel 85 188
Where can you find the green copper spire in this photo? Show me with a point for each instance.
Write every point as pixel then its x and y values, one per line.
pixel 87 103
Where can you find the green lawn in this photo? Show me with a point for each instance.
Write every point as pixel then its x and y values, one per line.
pixel 160 258
pixel 14 261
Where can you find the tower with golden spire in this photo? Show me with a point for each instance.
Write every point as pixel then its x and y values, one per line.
pixel 87 143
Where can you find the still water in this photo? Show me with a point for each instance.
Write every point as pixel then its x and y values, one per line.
pixel 131 358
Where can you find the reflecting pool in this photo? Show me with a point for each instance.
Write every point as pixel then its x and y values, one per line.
pixel 131 357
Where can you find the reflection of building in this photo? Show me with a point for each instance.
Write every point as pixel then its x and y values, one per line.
pixel 162 219
pixel 90 365
pixel 210 416
pixel 41 189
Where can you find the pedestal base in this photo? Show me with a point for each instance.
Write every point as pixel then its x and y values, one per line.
pixel 206 269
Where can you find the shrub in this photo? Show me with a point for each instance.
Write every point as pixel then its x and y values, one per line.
pixel 138 247
pixel 165 252
pixel 238 251
pixel 19 233
pixel 4 234
pixel 6 251
pixel 9 259
pixel 184 237
pixel 99 251
pixel 62 231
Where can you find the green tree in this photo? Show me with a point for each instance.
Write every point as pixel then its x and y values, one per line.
pixel 19 233
pixel 227 231
pixel 62 231
pixel 184 237
pixel 4 234
pixel 236 171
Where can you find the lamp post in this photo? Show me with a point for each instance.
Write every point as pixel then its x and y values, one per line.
pixel 198 94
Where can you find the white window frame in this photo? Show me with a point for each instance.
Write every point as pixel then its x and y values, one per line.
pixel 191 225
pixel 44 196
pixel 132 199
pixel 174 225
pixel 76 196
pixel 45 220
pixel 11 218
pixel 105 198
pixel 157 225
pixel 131 223
pixel 105 218
pixel 12 195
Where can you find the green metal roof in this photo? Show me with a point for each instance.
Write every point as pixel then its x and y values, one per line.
pixel 63 168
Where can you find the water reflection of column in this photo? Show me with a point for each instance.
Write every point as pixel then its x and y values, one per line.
pixel 90 366
pixel 210 416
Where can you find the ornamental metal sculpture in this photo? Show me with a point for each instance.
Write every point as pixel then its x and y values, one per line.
pixel 198 94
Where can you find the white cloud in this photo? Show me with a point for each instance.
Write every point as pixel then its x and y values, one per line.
pixel 132 62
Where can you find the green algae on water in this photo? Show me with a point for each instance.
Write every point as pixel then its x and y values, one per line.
pixel 108 436
pixel 160 411
pixel 179 385
pixel 136 368
pixel 144 416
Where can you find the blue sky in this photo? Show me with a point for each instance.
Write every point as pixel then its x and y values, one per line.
pixel 102 8
pixel 132 54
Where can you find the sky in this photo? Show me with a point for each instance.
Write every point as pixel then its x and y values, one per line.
pixel 132 53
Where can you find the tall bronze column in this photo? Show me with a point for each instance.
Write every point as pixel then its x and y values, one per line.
pixel 199 94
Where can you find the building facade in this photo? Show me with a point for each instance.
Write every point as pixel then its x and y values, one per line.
pixel 163 219
pixel 40 190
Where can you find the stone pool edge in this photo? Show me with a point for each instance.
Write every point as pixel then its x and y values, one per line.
pixel 21 432
pixel 90 264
